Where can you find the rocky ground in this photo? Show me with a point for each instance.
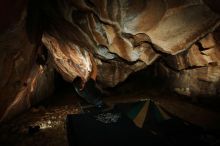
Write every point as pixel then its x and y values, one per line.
pixel 44 124
pixel 41 125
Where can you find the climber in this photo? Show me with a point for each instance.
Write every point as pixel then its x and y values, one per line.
pixel 88 91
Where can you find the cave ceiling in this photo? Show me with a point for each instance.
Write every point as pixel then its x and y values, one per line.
pixel 108 40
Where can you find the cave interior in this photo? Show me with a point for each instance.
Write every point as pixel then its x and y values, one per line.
pixel 114 72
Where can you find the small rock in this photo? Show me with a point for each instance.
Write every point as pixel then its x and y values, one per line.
pixel 42 108
pixel 49 122
pixel 33 129
pixel 35 110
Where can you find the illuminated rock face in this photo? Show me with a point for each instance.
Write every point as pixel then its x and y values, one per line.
pixel 196 71
pixel 23 82
pixel 106 41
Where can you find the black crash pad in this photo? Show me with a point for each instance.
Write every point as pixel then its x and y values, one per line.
pixel 118 130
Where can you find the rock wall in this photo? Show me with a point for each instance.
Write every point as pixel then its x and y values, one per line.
pixel 23 82
pixel 196 71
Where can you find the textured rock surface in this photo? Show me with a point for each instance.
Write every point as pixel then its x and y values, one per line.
pixel 106 41
pixel 22 81
pixel 196 71
pixel 90 33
